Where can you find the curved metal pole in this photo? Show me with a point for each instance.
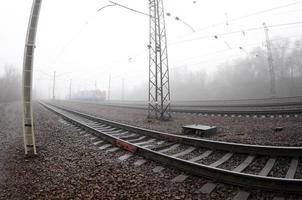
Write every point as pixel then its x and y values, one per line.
pixel 28 129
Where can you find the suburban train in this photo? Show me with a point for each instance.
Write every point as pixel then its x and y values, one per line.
pixel 90 95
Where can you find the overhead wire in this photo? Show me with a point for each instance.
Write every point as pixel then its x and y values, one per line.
pixel 199 38
pixel 131 9
pixel 247 16
pixel 72 38
pixel 219 51
pixel 230 20
pixel 182 62
pixel 237 31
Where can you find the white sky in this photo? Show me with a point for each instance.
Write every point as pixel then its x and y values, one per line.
pixel 89 52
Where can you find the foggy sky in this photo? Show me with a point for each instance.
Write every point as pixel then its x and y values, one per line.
pixel 86 46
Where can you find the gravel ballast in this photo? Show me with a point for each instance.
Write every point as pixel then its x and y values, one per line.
pixel 69 166
pixel 250 130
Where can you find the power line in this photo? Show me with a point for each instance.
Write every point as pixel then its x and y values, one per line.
pixel 246 45
pixel 43 73
pixel 181 20
pixel 234 56
pixel 131 9
pixel 184 61
pixel 264 11
pixel 219 51
pixel 249 15
pixel 70 41
pixel 234 32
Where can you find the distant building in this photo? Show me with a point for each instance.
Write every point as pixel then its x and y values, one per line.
pixel 90 95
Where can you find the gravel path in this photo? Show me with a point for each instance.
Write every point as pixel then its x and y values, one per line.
pixel 234 129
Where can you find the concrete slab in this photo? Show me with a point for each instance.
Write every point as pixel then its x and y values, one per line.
pixel 97 142
pixel 278 198
pixel 242 195
pixel 198 129
pixel 160 142
pixel 169 148
pixel 222 160
pixel 158 169
pixel 128 136
pixel 116 132
pixel 244 164
pixel 145 142
pixel 180 178
pixel 140 162
pixel 125 157
pixel 268 166
pixel 185 152
pixel 202 156
pixel 114 149
pixel 105 146
pixel 137 139
pixel 207 188
pixel 292 169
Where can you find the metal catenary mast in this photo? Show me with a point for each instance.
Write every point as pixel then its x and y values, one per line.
pixel 54 86
pixel 270 63
pixel 159 86
pixel 28 129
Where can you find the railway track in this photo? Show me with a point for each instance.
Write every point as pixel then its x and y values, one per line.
pixel 281 106
pixel 265 167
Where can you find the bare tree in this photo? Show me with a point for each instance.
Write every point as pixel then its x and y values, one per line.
pixel 10 85
pixel 241 79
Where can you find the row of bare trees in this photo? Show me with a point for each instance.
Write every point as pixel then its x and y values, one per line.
pixel 244 78
pixel 10 85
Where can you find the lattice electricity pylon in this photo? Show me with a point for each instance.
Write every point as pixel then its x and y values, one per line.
pixel 270 63
pixel 159 86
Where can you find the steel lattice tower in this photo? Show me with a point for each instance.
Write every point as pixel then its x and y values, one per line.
pixel 159 86
pixel 270 63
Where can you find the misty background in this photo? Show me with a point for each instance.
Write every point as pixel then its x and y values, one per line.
pixel 85 48
pixel 243 78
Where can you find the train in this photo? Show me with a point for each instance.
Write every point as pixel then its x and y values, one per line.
pixel 90 95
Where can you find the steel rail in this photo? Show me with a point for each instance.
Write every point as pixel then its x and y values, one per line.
pixel 231 177
pixel 203 105
pixel 240 112
pixel 278 101
pixel 211 144
pixel 198 109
